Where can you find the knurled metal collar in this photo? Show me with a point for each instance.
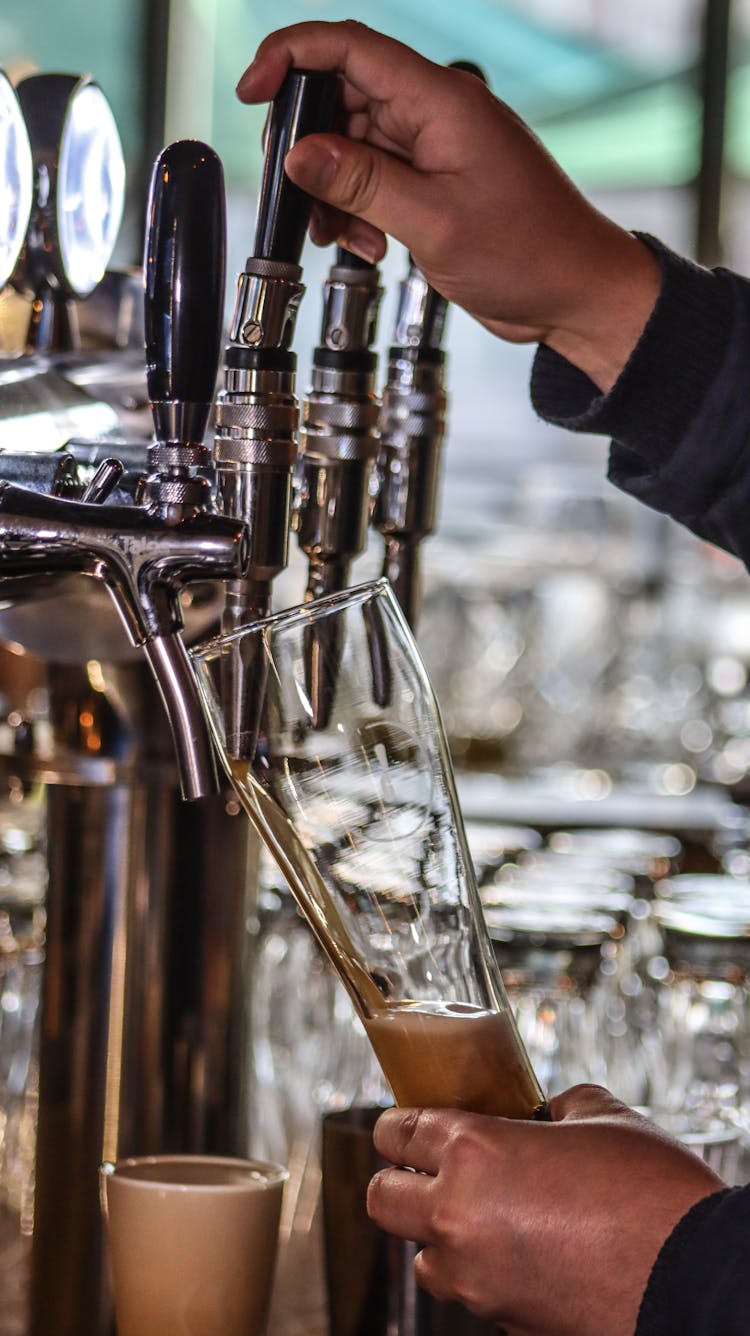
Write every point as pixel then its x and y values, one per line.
pixel 175 454
pixel 342 412
pixel 396 399
pixel 280 453
pixel 337 448
pixel 271 418
pixel 178 491
pixel 260 268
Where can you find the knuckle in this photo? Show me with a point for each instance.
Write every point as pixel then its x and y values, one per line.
pixel 395 1132
pixel 463 1143
pixel 358 182
pixel 446 1221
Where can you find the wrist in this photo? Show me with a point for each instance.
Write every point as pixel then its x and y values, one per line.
pixel 607 316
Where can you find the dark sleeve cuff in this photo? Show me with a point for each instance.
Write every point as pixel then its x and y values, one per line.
pixel 663 384
pixel 700 1283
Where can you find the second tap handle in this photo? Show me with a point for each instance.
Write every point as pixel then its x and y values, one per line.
pixel 184 269
pixel 304 105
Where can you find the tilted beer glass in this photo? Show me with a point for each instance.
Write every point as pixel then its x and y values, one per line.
pixel 342 765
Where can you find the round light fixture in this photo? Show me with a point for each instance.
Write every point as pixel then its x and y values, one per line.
pixel 16 178
pixel 79 183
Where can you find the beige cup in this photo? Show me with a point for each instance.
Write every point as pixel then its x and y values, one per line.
pixel 192 1243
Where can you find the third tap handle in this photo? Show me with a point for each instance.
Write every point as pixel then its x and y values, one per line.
pixel 184 269
pixel 304 105
pixel 346 259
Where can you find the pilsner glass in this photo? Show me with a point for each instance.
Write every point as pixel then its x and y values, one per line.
pixel 341 763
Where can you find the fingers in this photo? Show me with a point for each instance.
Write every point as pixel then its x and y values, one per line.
pixel 328 225
pixel 409 1136
pixel 400 1202
pixel 374 64
pixel 357 179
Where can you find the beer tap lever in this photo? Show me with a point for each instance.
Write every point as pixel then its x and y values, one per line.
pixel 305 104
pixel 184 276
pixel 255 446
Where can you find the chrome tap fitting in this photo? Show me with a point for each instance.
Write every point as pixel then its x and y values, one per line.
pixel 339 441
pixel 257 415
pixel 412 429
pixel 144 564
pixel 339 436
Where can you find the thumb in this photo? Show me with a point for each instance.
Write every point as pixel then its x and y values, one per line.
pixel 360 180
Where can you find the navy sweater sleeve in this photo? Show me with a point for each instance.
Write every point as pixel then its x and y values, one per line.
pixel 679 414
pixel 700 1283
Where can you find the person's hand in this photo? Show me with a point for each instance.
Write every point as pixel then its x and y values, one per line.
pixel 548 1228
pixel 435 160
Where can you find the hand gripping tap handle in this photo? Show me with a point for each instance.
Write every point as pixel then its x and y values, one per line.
pixel 184 277
pixel 304 105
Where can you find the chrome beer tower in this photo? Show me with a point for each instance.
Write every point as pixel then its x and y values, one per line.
pixel 144 1024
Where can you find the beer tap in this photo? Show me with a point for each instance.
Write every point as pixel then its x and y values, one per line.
pixel 412 427
pixel 339 436
pixel 145 554
pixel 255 446
pixel 339 441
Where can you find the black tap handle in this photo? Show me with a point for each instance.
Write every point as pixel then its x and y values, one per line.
pixel 184 271
pixel 346 259
pixel 469 67
pixel 305 104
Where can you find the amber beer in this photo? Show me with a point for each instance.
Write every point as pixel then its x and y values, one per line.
pixel 454 1056
pixel 433 1054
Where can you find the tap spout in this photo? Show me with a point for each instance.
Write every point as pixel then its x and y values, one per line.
pixel 169 662
pixel 144 563
pixel 412 429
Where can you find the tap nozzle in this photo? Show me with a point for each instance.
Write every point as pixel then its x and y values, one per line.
pixel 339 437
pixel 339 441
pixel 412 429
pixel 144 563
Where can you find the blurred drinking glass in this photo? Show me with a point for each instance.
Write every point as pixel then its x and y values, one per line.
pixel 703 1013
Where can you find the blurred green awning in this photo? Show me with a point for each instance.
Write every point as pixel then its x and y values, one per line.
pixel 647 138
pixel 609 120
pixel 738 121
